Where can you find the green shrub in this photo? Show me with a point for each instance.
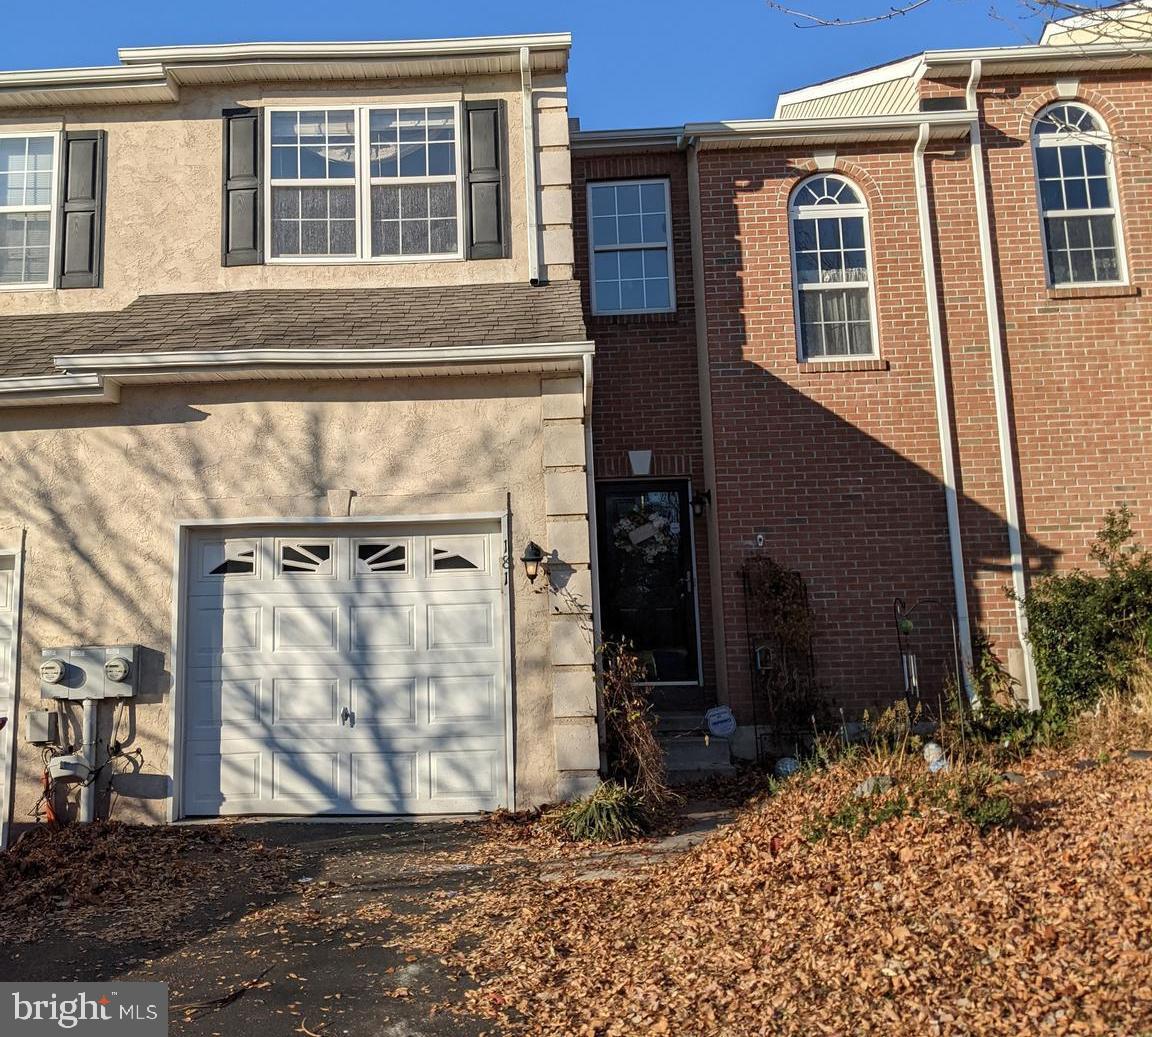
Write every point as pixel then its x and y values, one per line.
pixel 969 794
pixel 858 815
pixel 1089 631
pixel 613 813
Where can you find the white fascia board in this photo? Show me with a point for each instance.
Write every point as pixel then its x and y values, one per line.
pixel 858 127
pixel 57 388
pixel 1089 55
pixel 902 69
pixel 227 52
pixel 103 74
pixel 126 364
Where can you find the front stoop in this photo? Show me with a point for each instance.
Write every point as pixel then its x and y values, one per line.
pixel 689 753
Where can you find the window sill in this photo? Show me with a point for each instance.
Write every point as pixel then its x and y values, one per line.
pixel 836 366
pixel 637 316
pixel 1103 291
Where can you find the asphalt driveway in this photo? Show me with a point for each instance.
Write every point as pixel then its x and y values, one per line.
pixel 321 950
pixel 315 956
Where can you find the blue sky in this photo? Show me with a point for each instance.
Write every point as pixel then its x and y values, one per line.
pixel 634 62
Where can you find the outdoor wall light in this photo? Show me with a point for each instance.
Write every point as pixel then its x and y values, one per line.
pixel 701 503
pixel 533 559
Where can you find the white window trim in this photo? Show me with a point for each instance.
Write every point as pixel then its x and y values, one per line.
pixel 592 249
pixel 363 183
pixel 1054 140
pixel 51 208
pixel 812 211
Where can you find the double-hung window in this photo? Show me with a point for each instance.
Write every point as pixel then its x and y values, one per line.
pixel 631 254
pixel 365 183
pixel 831 273
pixel 27 196
pixel 1077 187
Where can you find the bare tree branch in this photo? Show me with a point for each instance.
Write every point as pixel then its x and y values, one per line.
pixel 815 21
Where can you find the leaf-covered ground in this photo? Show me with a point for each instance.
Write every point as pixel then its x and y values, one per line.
pixel 920 927
pixel 107 879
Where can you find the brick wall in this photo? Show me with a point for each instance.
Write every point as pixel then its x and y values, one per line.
pixel 645 373
pixel 836 467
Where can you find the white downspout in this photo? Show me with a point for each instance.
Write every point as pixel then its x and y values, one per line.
pixel 88 751
pixel 1000 387
pixel 593 547
pixel 528 118
pixel 943 414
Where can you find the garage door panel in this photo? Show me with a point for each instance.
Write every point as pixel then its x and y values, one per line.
pixel 215 630
pixel 461 625
pixel 384 700
pixel 296 699
pixel 305 628
pixel 216 700
pixel 408 639
pixel 453 699
pixel 305 775
pixel 384 776
pixel 462 773
pixel 223 777
pixel 391 627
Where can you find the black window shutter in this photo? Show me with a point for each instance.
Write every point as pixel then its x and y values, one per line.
pixel 243 230
pixel 486 165
pixel 81 236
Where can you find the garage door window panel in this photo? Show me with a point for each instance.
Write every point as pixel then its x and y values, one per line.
pixel 382 557
pixel 306 558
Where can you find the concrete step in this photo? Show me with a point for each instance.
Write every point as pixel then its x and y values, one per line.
pixel 679 722
pixel 691 752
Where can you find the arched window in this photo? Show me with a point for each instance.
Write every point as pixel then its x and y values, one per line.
pixel 831 273
pixel 1078 203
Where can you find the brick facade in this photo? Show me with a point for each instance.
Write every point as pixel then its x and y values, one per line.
pixel 647 394
pixel 838 467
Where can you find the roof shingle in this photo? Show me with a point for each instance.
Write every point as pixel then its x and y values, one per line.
pixel 318 318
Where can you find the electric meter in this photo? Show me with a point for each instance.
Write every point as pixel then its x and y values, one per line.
pixel 52 671
pixel 117 669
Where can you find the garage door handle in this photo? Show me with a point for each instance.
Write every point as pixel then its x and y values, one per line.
pixel 345 714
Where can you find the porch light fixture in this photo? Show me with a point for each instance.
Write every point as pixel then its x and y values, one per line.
pixel 533 558
pixel 701 503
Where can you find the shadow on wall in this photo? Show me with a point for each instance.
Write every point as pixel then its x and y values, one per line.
pixel 834 473
pixel 99 489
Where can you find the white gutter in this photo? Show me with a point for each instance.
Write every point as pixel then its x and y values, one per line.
pixel 768 128
pixel 593 549
pixel 1085 54
pixel 57 388
pixel 1000 387
pixel 943 414
pixel 708 439
pixel 142 363
pixel 528 118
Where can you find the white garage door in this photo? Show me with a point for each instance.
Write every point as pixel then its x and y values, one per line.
pixel 350 672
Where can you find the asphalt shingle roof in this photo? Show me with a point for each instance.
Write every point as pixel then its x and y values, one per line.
pixel 317 318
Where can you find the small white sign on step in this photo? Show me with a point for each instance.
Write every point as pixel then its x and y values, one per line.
pixel 721 722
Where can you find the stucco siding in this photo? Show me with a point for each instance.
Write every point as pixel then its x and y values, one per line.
pixel 164 194
pixel 100 490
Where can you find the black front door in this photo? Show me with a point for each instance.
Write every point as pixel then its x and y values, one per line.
pixel 647 588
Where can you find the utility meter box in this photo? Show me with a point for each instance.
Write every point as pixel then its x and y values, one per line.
pixel 88 672
pixel 40 727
